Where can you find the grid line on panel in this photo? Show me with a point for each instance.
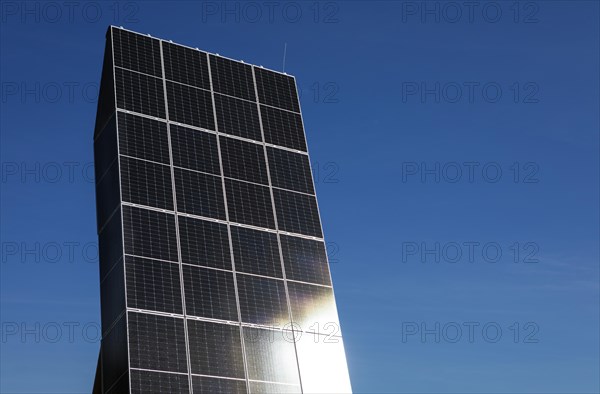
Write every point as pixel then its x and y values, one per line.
pixel 176 217
pixel 143 138
pixel 241 337
pixel 290 171
pixel 199 194
pixel 297 213
pixel 184 65
pixel 136 52
pixel 276 89
pixel 139 93
pixel 271 191
pixel 194 149
pixel 146 183
pixel 190 105
pixel 249 204
pixel 232 78
pixel 237 117
pixel 153 285
pixel 243 160
pixel 283 128
pixel 149 233
pixel 157 342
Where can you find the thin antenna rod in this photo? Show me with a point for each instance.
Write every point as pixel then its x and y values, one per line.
pixel 284 53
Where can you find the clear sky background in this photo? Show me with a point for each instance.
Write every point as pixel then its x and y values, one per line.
pixel 518 91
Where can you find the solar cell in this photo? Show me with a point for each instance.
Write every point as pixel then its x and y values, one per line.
pixel 186 65
pixel 149 233
pixel 209 293
pixel 276 89
pixel 139 93
pixel 283 128
pixel 243 160
pixel 204 243
pixel 190 106
pixel 237 117
pixel 199 194
pixel 290 170
pixel 232 78
pixel 297 213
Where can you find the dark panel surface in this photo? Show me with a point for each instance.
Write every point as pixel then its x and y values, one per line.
pixel 262 300
pixel 297 213
pixel 204 243
pixel 283 128
pixel 290 170
pixel 153 285
pixel 215 349
pixel 237 117
pixel 149 233
pixel 249 204
pixel 243 160
pixel 186 65
pixel 209 293
pixel 190 106
pixel 140 93
pixel 136 52
pixel 195 149
pixel 232 78
pixel 146 183
pixel 143 138
pixel 276 89
pixel 150 382
pixel 208 385
pixel 199 194
pixel 256 252
pixel 305 260
pixel 156 342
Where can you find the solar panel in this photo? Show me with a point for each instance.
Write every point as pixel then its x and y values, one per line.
pixel 136 52
pixel 210 385
pixel 237 117
pixel 313 308
pixel 271 355
pixel 204 243
pixel 143 138
pixel 151 382
pixel 283 128
pixel 256 252
pixel 249 204
pixel 199 194
pixel 232 78
pixel 210 238
pixel 195 150
pixel 297 213
pixel 243 160
pixel 146 183
pixel 139 93
pixel 290 170
pixel 153 285
pixel 149 233
pixel 156 342
pixel 215 349
pixel 277 90
pixel 186 66
pixel 262 300
pixel 209 293
pixel 191 106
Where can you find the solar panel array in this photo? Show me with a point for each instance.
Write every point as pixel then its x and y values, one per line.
pixel 224 259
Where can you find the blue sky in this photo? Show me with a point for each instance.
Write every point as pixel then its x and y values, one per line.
pixel 410 115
